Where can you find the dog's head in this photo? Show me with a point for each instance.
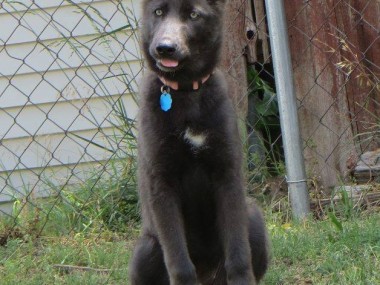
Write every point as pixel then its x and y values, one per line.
pixel 182 39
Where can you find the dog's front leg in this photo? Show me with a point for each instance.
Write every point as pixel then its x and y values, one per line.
pixel 233 226
pixel 169 225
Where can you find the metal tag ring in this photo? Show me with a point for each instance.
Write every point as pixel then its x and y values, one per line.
pixel 165 89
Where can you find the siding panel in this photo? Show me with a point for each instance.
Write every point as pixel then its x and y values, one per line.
pixel 47 119
pixel 57 55
pixel 69 84
pixel 58 81
pixel 68 21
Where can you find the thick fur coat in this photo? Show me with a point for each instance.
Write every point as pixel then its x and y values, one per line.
pixel 197 228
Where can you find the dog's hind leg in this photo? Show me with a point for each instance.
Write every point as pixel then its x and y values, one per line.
pixel 258 242
pixel 147 266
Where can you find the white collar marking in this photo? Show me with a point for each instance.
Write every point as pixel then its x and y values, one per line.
pixel 196 140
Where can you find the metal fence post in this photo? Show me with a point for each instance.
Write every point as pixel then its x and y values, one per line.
pixel 296 176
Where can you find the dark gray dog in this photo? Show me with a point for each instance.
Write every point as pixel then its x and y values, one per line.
pixel 197 228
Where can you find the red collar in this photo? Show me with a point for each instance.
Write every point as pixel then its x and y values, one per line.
pixel 175 86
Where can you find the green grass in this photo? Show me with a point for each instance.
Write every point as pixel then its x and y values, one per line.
pixel 313 252
pixel 320 253
pixel 35 262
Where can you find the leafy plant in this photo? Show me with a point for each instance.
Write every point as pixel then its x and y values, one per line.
pixel 265 151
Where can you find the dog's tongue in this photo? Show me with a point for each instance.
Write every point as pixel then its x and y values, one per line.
pixel 169 62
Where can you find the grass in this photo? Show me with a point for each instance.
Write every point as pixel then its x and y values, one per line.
pixel 320 253
pixel 313 252
pixel 35 262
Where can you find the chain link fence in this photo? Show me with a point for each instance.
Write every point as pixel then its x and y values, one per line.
pixel 336 65
pixel 68 79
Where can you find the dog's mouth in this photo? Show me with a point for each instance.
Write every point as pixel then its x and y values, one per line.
pixel 168 65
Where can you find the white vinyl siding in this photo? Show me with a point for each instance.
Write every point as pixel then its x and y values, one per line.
pixel 57 79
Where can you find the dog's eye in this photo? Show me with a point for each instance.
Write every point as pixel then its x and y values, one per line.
pixel 194 15
pixel 158 12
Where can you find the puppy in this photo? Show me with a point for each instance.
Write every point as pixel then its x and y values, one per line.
pixel 197 228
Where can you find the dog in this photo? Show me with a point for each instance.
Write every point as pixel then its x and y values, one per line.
pixel 196 225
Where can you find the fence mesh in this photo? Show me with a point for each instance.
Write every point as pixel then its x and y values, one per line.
pixel 68 78
pixel 67 94
pixel 334 47
pixel 334 51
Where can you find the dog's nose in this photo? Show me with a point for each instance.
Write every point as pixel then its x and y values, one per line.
pixel 166 49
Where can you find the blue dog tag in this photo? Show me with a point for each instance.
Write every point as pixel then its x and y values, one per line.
pixel 166 101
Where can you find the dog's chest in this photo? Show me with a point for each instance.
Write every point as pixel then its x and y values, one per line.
pixel 190 121
pixel 196 139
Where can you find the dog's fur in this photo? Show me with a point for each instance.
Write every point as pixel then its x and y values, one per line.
pixel 197 228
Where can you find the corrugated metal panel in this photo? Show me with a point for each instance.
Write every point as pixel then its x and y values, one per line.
pixel 52 90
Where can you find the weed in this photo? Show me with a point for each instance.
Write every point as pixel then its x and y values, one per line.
pixel 325 252
pixel 265 153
